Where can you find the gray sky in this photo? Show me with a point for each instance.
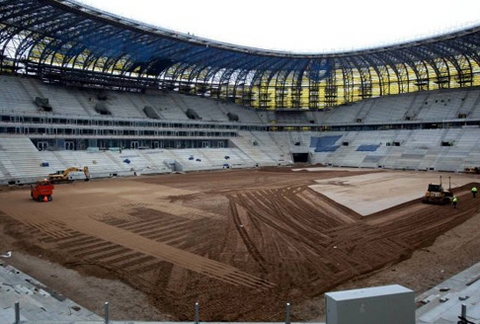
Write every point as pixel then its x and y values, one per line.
pixel 308 26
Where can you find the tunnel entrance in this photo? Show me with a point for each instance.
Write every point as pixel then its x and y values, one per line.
pixel 300 157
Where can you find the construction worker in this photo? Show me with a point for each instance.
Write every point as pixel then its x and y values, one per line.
pixel 474 192
pixel 454 202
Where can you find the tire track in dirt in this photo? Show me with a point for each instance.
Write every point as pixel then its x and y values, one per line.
pixel 284 216
pixel 251 248
pixel 307 243
pixel 29 216
pixel 342 245
pixel 116 236
pixel 268 206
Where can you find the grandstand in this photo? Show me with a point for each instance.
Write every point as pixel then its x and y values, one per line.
pixel 62 95
pixel 436 141
pixel 127 99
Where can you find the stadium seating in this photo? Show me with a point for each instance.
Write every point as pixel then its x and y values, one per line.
pixel 14 98
pixel 21 160
pixel 442 148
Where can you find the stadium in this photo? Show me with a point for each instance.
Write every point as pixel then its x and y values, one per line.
pixel 229 177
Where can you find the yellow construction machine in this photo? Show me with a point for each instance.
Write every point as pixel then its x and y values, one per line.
pixel 472 170
pixel 435 194
pixel 64 176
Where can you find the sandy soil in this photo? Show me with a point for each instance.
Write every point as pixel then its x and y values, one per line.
pixel 240 242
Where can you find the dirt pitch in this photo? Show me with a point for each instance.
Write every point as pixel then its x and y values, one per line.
pixel 240 242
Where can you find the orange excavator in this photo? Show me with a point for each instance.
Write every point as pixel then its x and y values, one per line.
pixel 42 191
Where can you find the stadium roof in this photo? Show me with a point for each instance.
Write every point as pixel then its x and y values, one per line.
pixel 309 27
pixel 66 40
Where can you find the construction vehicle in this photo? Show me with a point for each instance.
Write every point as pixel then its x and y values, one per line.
pixel 42 191
pixel 437 195
pixel 64 176
pixel 472 170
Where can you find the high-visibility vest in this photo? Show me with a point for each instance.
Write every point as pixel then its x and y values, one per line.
pixel 454 199
pixel 474 189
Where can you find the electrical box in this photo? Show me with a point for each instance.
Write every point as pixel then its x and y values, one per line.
pixel 393 304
